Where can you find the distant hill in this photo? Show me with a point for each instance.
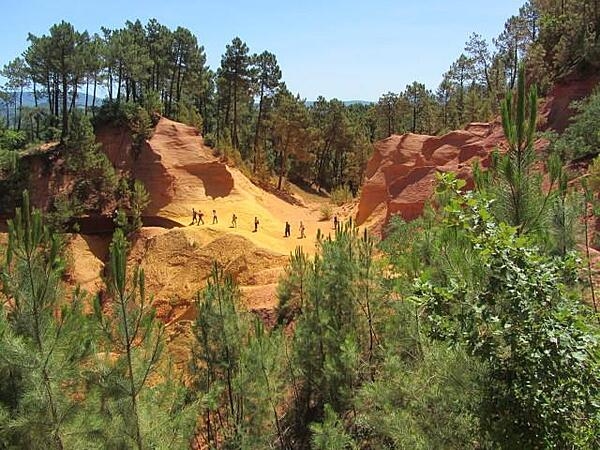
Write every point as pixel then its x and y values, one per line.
pixel 28 100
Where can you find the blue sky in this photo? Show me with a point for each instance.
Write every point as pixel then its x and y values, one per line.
pixel 344 49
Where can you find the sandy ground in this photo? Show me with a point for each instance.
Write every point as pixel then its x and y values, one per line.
pixel 248 201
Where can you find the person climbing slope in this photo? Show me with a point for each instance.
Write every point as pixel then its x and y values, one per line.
pixel 288 229
pixel 302 235
pixel 200 218
pixel 194 216
pixel 234 221
pixel 255 224
pixel 215 220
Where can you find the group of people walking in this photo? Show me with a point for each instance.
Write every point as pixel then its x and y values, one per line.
pixel 288 230
pixel 198 219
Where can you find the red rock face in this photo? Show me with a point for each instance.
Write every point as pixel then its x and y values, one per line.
pixel 401 173
pixel 556 110
pixel 174 165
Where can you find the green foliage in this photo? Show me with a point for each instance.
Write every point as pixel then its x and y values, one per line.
pixel 133 200
pixel 131 115
pixel 426 395
pixel 326 213
pixel 341 195
pixel 565 216
pixel 139 408
pixel 582 136
pixel 528 328
pixel 512 180
pixel 566 37
pixel 237 371
pixel 335 337
pixel 139 200
pixel 12 139
pixel 292 287
pixel 594 174
pixel 152 104
pixel 43 342
pixel 330 433
pixel 189 115
pixel 8 163
pixel 291 133
pixel 94 178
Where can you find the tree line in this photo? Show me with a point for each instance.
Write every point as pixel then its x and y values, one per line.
pixel 244 109
pixel 470 327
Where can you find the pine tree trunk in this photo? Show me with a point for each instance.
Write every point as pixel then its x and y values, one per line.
pixel 119 82
pixel 65 115
pixel 258 124
pixel 234 137
pixel 74 97
pixel 56 97
pixel 15 103
pixel 110 85
pixel 20 108
pixel 49 94
pixel 132 388
pixel 94 95
pixel 282 164
pixel 37 120
pixel 179 82
pixel 87 90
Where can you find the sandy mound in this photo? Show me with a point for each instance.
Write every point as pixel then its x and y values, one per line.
pixel 400 176
pixel 86 255
pixel 178 262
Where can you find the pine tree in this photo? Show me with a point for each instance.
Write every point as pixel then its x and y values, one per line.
pixel 529 329
pixel 235 75
pixel 43 342
pixel 291 132
pixel 140 405
pixel 268 76
pixel 236 370
pixel 335 336
pixel 513 180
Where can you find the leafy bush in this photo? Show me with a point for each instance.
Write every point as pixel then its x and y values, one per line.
pixel 527 327
pixel 341 195
pixel 130 114
pixel 326 213
pixel 12 139
pixel 188 114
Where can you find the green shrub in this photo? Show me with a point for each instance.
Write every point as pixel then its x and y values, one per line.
pixel 582 136
pixel 341 195
pixel 188 114
pixel 12 139
pixel 326 212
pixel 129 114
pixel 152 103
